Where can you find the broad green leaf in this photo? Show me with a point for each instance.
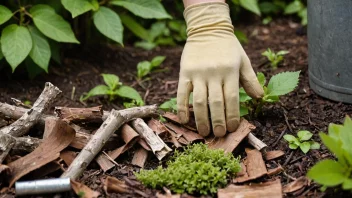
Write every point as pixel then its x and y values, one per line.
pixel 111 80
pixel 314 145
pixel 346 136
pixel 32 68
pixel 5 14
pixel 283 83
pixel 16 43
pixel 243 95
pixel 291 139
pixel 157 29
pixel 304 135
pixel 129 92
pixel 347 184
pixel 334 146
pixel 294 7
pixel 145 45
pixel 144 8
pixel 157 61
pixel 334 131
pixel 327 172
pixel 243 111
pixel 305 146
pixel 304 16
pixel 170 105
pixel 77 7
pixel 241 36
pixel 251 5
pixel 268 7
pixel 109 24
pixel 40 52
pixel 52 25
pixel 261 78
pixel 98 90
pixel 134 27
pixel 293 146
pixel 143 69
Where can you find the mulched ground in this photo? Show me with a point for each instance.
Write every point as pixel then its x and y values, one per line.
pixel 300 110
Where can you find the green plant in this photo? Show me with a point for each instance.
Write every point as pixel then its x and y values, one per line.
pixel 31 31
pixel 280 84
pixel 297 7
pixel 251 5
pixel 196 170
pixel 170 105
pixel 302 141
pixel 113 88
pixel 331 173
pixel 274 58
pixel 146 67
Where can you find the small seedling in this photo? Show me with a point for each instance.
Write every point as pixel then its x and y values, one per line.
pixel 280 84
pixel 113 88
pixel 331 173
pixel 196 170
pixel 146 67
pixel 274 58
pixel 302 141
pixel 171 105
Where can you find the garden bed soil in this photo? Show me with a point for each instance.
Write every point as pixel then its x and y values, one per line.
pixel 300 110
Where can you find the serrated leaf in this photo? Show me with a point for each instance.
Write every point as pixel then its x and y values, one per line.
pixel 243 111
pixel 98 90
pixel 5 14
pixel 134 27
pixel 291 139
pixel 77 7
pixel 40 52
pixel 143 69
pixel 251 5
pixel 293 146
pixel 16 43
pixel 304 135
pixel 314 145
pixel 157 61
pixel 261 78
pixel 51 24
pixel 305 146
pixel 109 24
pixel 130 93
pixel 294 7
pixel 328 173
pixel 144 8
pixel 282 83
pixel 111 80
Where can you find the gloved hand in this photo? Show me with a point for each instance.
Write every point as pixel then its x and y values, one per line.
pixel 212 64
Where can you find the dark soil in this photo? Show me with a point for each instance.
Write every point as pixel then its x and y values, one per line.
pixel 300 110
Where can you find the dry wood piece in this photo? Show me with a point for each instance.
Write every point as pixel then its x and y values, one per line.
pixel 113 185
pixel 275 171
pixel 129 136
pixel 174 118
pixel 272 189
pixel 159 148
pixel 48 151
pixel 140 157
pixel 255 142
pixel 165 134
pixel 92 115
pixel 144 144
pixel 107 129
pixel 6 144
pixel 231 140
pixel 80 189
pixel 45 170
pixel 68 156
pixel 104 162
pixel 21 126
pixel 296 185
pixel 243 171
pixel 255 166
pixel 189 135
pixel 270 155
pixel 25 144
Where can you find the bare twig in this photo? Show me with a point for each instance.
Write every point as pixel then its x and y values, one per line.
pixel 255 142
pixel 279 138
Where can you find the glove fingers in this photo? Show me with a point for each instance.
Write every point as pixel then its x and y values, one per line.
pixel 249 80
pixel 200 106
pixel 183 91
pixel 216 104
pixel 231 95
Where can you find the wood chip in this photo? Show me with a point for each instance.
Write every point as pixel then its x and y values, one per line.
pixel 255 166
pixel 114 185
pixel 129 136
pixel 231 140
pixel 270 155
pixel 191 125
pixel 272 189
pixel 140 157
pixel 275 171
pixel 296 185
pixel 104 162
pixel 255 142
pixel 68 156
pixel 189 135
pixel 165 134
pixel 48 151
pixel 83 191
pixel 91 115
pixel 243 171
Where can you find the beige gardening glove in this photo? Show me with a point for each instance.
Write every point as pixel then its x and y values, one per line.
pixel 212 64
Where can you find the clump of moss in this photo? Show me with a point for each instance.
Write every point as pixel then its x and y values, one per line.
pixel 196 170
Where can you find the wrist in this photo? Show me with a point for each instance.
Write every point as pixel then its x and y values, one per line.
pixel 187 3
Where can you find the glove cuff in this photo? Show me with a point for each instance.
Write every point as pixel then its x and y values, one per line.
pixel 204 17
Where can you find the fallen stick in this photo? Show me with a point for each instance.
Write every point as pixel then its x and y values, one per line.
pixel 255 142
pixel 107 129
pixel 93 114
pixel 21 126
pixel 158 146
pixel 6 144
